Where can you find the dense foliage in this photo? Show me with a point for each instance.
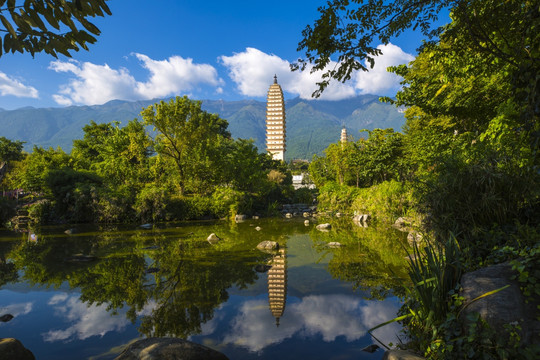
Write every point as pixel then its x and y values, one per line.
pixel 53 26
pixel 467 160
pixel 189 168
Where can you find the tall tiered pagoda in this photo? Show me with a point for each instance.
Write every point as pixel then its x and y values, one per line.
pixel 275 121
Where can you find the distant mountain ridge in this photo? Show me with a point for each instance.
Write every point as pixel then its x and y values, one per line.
pixel 311 124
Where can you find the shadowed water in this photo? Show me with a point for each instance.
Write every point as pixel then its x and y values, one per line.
pixel 307 299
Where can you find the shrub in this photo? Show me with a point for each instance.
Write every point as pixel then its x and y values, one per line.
pixel 385 202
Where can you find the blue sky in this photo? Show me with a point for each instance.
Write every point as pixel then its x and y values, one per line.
pixel 204 49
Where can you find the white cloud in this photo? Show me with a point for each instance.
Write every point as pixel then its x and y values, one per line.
pixel 378 80
pixel 12 86
pixel 252 71
pixel 97 84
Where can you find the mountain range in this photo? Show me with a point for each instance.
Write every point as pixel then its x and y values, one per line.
pixel 311 124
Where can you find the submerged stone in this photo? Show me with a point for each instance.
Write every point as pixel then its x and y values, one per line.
pixel 324 227
pixel 169 349
pixel 11 348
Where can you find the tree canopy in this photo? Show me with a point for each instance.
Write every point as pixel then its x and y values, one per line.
pixel 53 26
pixel 351 31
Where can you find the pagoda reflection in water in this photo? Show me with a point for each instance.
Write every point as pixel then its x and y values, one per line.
pixel 277 284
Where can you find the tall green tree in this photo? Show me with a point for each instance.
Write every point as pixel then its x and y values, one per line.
pixel 53 26
pixel 192 138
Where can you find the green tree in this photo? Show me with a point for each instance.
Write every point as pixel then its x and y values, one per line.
pixel 118 154
pixel 192 138
pixel 33 170
pixel 53 26
pixel 10 150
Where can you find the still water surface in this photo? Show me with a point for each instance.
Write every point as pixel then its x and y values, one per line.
pixel 307 300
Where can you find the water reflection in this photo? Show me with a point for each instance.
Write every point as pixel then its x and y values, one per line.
pixel 172 282
pixel 277 285
pixel 328 316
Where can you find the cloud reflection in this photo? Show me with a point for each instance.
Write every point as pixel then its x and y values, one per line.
pixel 17 309
pixel 86 320
pixel 329 316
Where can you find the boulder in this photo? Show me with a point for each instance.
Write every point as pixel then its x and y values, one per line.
pixel 212 238
pixel 13 349
pixel 401 355
pixel 168 349
pixel 507 306
pixel 323 227
pixel 268 245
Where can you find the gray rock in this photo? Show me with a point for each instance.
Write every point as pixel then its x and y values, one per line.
pixel 334 244
pixel 212 238
pixel 169 349
pixel 504 307
pixel 240 217
pixel 362 219
pixel 146 226
pixel 403 224
pixel 323 227
pixel 268 245
pixel 414 237
pixel 401 355
pixel 13 349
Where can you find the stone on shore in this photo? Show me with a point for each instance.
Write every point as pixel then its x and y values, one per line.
pixel 169 349
pixel 212 238
pixel 334 244
pixel 507 306
pixel 268 245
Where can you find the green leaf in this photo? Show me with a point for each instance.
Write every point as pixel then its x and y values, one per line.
pixel 8 26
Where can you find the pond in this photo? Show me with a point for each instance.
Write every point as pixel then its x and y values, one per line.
pixel 305 300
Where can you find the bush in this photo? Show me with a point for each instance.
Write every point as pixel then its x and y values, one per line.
pixel 386 201
pixel 335 197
